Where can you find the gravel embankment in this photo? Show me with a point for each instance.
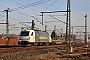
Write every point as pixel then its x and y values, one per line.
pixel 22 55
pixel 47 54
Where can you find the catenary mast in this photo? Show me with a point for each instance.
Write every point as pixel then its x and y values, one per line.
pixel 68 26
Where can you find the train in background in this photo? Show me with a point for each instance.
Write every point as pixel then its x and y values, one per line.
pixel 34 37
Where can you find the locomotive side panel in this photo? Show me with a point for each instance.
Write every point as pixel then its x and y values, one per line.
pixel 42 36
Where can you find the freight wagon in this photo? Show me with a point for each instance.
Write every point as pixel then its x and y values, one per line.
pixel 13 40
pixel 34 37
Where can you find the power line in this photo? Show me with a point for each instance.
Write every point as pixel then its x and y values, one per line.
pixel 22 4
pixel 3 6
pixel 26 6
pixel 50 5
pixel 16 2
pixel 16 11
pixel 30 5
pixel 42 1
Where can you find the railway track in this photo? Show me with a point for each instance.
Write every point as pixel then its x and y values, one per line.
pixel 31 51
pixel 14 48
pixel 6 49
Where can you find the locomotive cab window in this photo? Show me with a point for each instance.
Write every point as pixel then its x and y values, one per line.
pixel 24 33
pixel 32 34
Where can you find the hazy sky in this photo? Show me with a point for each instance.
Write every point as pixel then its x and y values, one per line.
pixel 79 8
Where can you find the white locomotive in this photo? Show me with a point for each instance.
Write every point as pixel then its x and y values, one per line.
pixel 34 37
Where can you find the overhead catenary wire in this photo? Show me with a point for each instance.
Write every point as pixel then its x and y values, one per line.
pixel 1 15
pixel 76 23
pixel 13 19
pixel 18 12
pixel 58 19
pixel 79 29
pixel 34 9
pixel 10 18
pixel 25 7
pixel 36 19
pixel 22 13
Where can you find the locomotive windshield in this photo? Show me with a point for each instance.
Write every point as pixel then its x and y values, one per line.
pixel 24 33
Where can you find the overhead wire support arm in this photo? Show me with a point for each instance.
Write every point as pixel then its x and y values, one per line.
pixel 52 21
pixel 2 23
pixel 78 26
pixel 53 11
pixel 50 12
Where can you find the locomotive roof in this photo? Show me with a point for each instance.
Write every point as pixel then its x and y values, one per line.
pixel 39 31
pixel 42 32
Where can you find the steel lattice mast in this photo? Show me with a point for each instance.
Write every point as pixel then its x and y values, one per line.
pixel 68 26
pixel 68 29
